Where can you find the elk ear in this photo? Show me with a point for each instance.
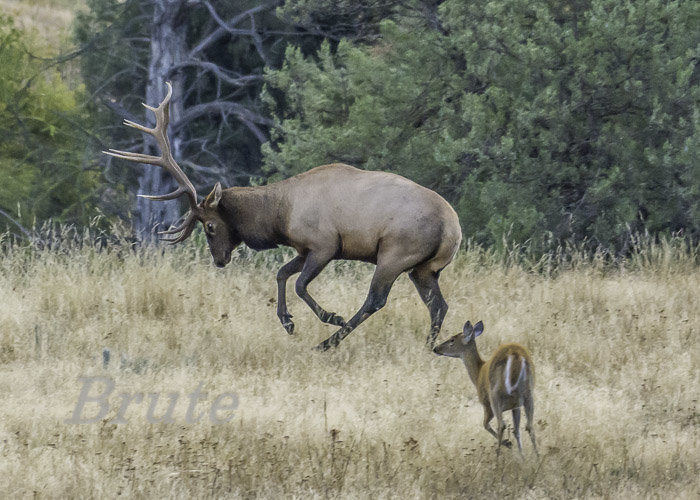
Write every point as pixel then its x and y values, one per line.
pixel 213 199
pixel 467 331
pixel 478 329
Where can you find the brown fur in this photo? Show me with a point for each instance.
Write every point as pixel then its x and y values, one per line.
pixel 330 212
pixel 362 213
pixel 341 212
pixel 489 377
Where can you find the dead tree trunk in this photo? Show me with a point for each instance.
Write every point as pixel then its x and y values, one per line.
pixel 168 50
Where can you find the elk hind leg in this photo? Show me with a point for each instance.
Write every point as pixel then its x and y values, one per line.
pixel 426 282
pixel 379 289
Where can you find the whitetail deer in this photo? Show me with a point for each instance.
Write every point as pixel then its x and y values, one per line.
pixel 330 212
pixel 503 383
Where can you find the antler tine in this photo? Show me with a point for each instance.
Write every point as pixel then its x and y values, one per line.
pixel 189 220
pixel 135 157
pixel 162 197
pixel 165 160
pixel 160 133
pixel 186 231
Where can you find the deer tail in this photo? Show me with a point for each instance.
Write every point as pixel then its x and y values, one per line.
pixel 511 386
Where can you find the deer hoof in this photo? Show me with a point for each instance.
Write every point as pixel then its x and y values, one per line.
pixel 507 443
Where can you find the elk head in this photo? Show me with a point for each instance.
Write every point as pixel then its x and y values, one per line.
pixel 220 237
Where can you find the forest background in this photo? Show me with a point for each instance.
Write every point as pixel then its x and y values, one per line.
pixel 564 133
pixel 540 122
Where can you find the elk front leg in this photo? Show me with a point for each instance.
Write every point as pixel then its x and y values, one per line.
pixel 315 263
pixel 292 267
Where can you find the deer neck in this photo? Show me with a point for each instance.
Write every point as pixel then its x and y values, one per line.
pixel 471 359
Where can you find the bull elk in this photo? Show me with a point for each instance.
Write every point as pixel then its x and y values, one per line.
pixel 330 212
pixel 504 382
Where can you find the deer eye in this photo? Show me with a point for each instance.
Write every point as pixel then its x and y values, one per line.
pixel 210 228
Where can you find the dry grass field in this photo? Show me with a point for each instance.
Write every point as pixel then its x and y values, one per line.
pixel 615 348
pixel 48 20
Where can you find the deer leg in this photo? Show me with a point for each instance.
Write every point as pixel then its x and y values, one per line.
pixel 426 282
pixel 488 415
pixel 379 289
pixel 529 411
pixel 292 267
pixel 314 264
pixel 516 428
pixel 498 412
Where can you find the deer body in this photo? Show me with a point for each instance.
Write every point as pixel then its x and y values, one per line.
pixel 503 383
pixel 330 212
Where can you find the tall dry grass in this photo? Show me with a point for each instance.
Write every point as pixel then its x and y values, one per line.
pixel 614 344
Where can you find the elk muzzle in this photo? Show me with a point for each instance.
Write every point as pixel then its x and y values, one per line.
pixel 221 261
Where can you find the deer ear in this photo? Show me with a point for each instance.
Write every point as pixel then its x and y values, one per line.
pixel 214 197
pixel 478 329
pixel 468 330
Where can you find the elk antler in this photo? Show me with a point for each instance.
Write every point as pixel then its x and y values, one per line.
pixel 167 162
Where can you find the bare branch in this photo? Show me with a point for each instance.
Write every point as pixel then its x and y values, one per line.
pixel 221 107
pixel 227 26
pixel 257 41
pixel 223 74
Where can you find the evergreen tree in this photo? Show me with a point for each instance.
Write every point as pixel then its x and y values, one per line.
pixel 540 121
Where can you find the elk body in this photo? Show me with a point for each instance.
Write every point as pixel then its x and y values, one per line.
pixel 503 383
pixel 330 212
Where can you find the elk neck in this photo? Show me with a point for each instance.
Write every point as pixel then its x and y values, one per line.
pixel 257 215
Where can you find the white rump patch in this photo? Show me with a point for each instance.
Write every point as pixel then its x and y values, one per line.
pixel 521 377
pixel 509 388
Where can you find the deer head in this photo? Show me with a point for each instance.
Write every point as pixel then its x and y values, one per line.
pixel 219 235
pixel 455 346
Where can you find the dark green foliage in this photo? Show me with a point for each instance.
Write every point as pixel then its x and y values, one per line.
pixel 44 170
pixel 540 121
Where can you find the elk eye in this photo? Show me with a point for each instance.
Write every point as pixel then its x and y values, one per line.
pixel 210 227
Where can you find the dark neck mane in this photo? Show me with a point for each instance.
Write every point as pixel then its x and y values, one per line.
pixel 255 215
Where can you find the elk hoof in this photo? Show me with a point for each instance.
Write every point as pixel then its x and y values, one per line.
pixel 289 326
pixel 507 443
pixel 326 344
